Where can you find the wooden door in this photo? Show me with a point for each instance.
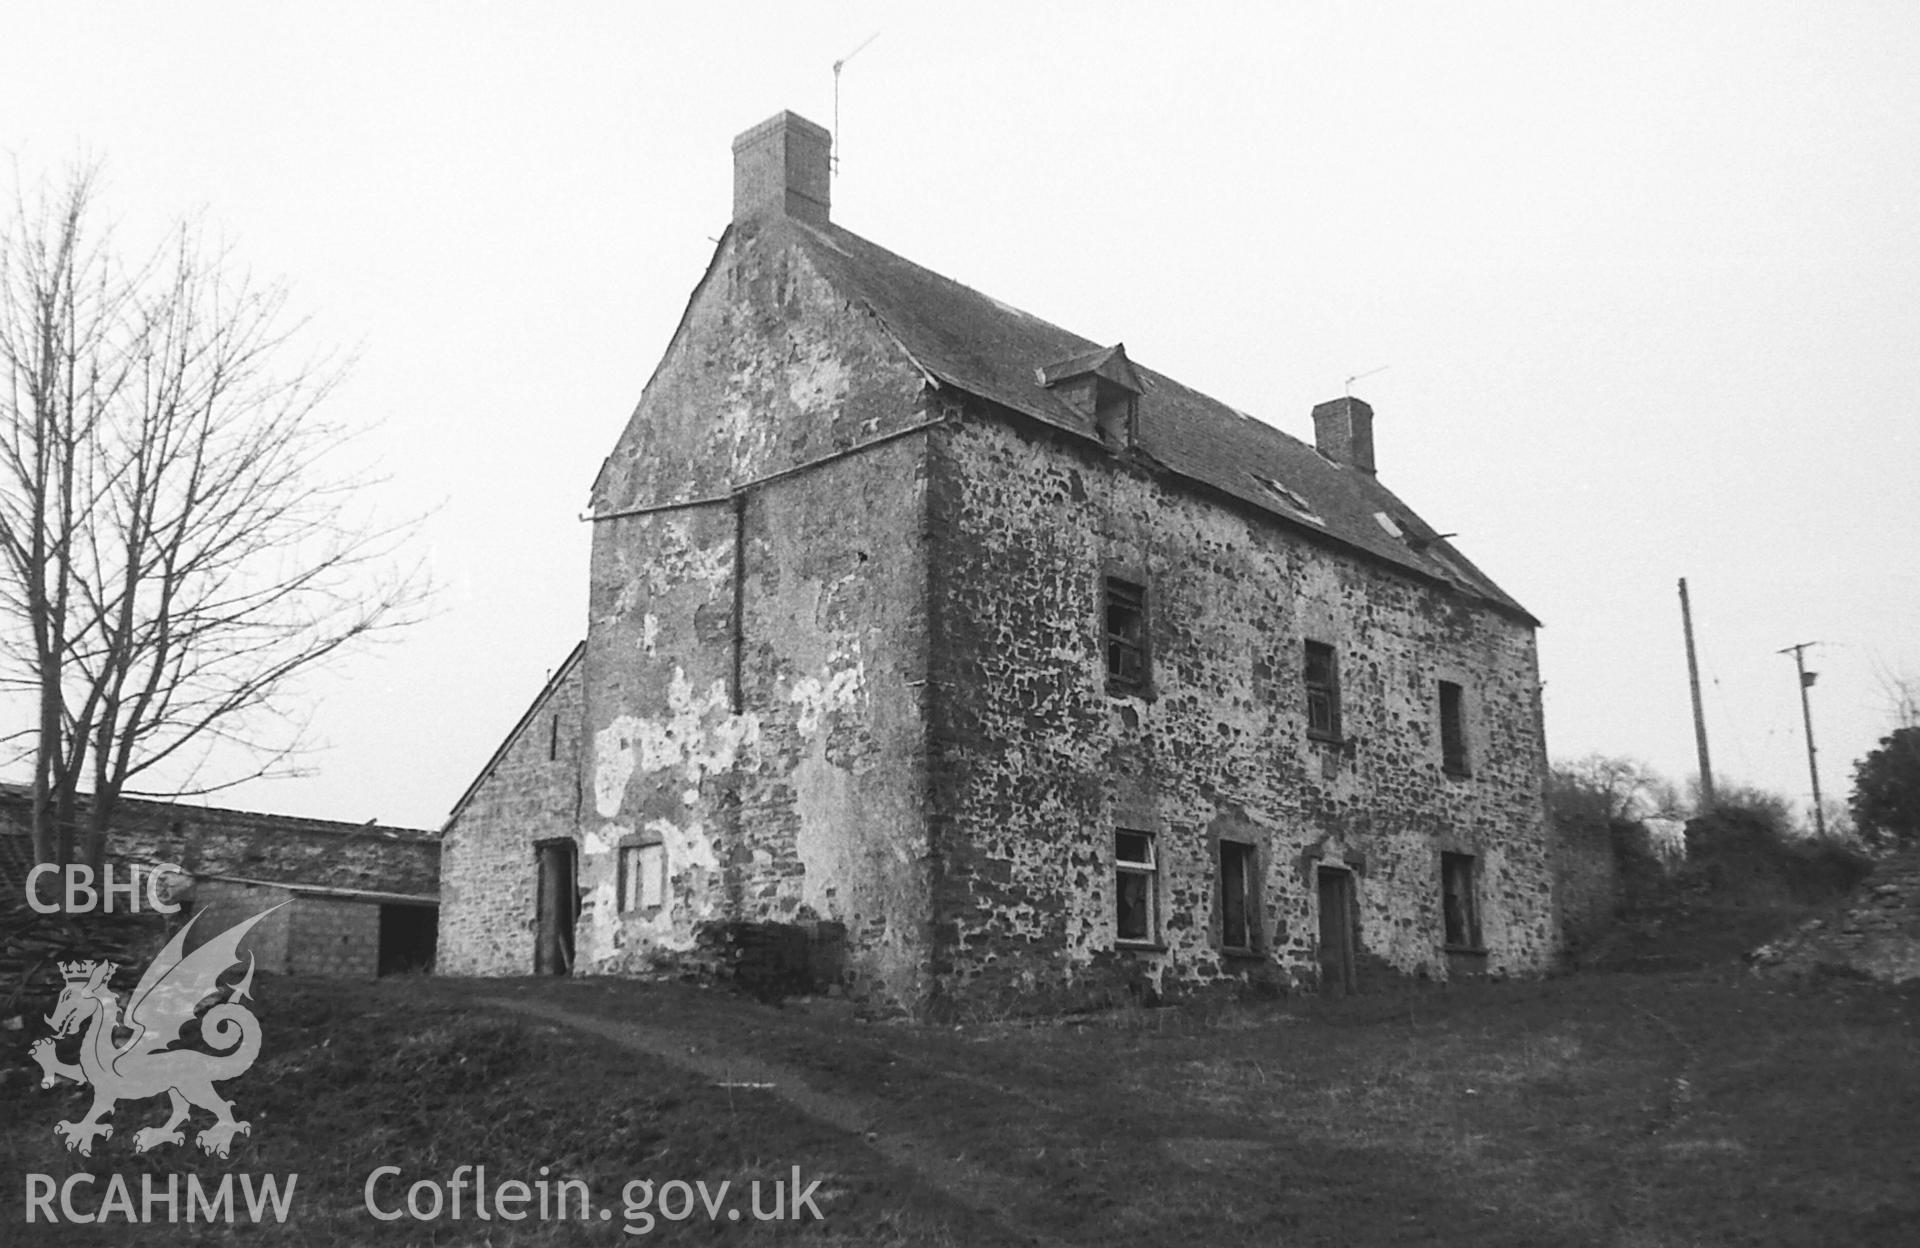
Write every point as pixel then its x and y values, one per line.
pixel 559 906
pixel 1336 930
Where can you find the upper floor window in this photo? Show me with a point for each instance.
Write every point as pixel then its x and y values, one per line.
pixel 1453 729
pixel 1323 691
pixel 1127 658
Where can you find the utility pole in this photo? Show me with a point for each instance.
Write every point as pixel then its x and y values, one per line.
pixel 1699 716
pixel 1806 713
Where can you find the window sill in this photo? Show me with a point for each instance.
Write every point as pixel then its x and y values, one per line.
pixel 1241 951
pixel 1457 773
pixel 1140 946
pixel 1341 745
pixel 1473 951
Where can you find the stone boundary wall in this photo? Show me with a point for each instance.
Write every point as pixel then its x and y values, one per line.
pixel 1877 935
pixel 210 840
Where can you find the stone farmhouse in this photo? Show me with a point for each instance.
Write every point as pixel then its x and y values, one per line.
pixel 1001 665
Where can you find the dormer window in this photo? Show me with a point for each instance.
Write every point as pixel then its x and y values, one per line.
pixel 1103 389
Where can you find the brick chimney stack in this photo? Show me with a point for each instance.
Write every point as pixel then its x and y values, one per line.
pixel 781 167
pixel 1343 432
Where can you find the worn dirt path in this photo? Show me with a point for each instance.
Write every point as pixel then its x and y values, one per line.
pixel 986 1193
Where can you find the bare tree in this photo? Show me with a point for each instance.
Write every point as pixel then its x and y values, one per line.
pixel 1902 692
pixel 1612 789
pixel 176 534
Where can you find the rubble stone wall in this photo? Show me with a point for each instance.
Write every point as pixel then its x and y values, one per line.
pixel 1037 761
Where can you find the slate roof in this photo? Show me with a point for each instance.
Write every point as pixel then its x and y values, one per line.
pixel 977 344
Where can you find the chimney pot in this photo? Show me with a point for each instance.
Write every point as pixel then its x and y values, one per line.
pixel 1343 432
pixel 782 167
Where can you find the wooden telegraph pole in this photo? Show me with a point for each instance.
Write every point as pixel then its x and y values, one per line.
pixel 1806 714
pixel 1699 716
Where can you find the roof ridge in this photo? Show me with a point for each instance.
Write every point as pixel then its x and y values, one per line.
pixel 962 337
pixel 833 232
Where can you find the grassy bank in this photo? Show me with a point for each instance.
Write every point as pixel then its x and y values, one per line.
pixel 1706 1107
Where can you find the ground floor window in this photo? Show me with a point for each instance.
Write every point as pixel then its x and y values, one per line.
pixel 643 876
pixel 1458 907
pixel 1135 887
pixel 1239 904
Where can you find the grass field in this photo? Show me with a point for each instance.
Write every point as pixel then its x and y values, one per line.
pixel 1678 1108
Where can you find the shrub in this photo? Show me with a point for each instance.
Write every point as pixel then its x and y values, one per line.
pixel 1886 790
pixel 1751 855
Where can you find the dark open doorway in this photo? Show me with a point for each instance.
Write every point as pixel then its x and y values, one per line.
pixel 559 906
pixel 408 935
pixel 1336 930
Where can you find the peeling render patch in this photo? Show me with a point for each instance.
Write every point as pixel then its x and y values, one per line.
pixel 601 904
pixel 699 735
pixel 820 380
pixel 816 696
pixel 687 846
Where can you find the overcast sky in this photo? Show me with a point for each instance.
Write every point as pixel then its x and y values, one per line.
pixel 1644 280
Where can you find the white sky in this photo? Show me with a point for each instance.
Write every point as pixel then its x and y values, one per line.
pixel 1646 278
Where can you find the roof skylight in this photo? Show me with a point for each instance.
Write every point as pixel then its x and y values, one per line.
pixel 1292 501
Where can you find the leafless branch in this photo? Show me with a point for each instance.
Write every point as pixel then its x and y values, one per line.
pixel 177 540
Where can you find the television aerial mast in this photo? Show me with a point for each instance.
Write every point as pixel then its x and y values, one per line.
pixel 837 67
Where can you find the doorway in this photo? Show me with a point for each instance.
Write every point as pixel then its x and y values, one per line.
pixel 407 938
pixel 558 907
pixel 1336 931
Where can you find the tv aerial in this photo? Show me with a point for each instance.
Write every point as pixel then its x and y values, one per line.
pixel 837 67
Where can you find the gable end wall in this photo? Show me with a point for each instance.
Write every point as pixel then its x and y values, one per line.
pixel 755 663
pixel 488 867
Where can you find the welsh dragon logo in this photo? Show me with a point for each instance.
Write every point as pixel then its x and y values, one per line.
pixel 143 1065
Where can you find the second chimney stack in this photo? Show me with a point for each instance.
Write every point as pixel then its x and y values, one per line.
pixel 1343 432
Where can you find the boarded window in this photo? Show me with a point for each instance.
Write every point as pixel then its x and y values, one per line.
pixel 1239 906
pixel 1453 729
pixel 643 876
pixel 1135 887
pixel 1323 691
pixel 1457 903
pixel 1126 634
